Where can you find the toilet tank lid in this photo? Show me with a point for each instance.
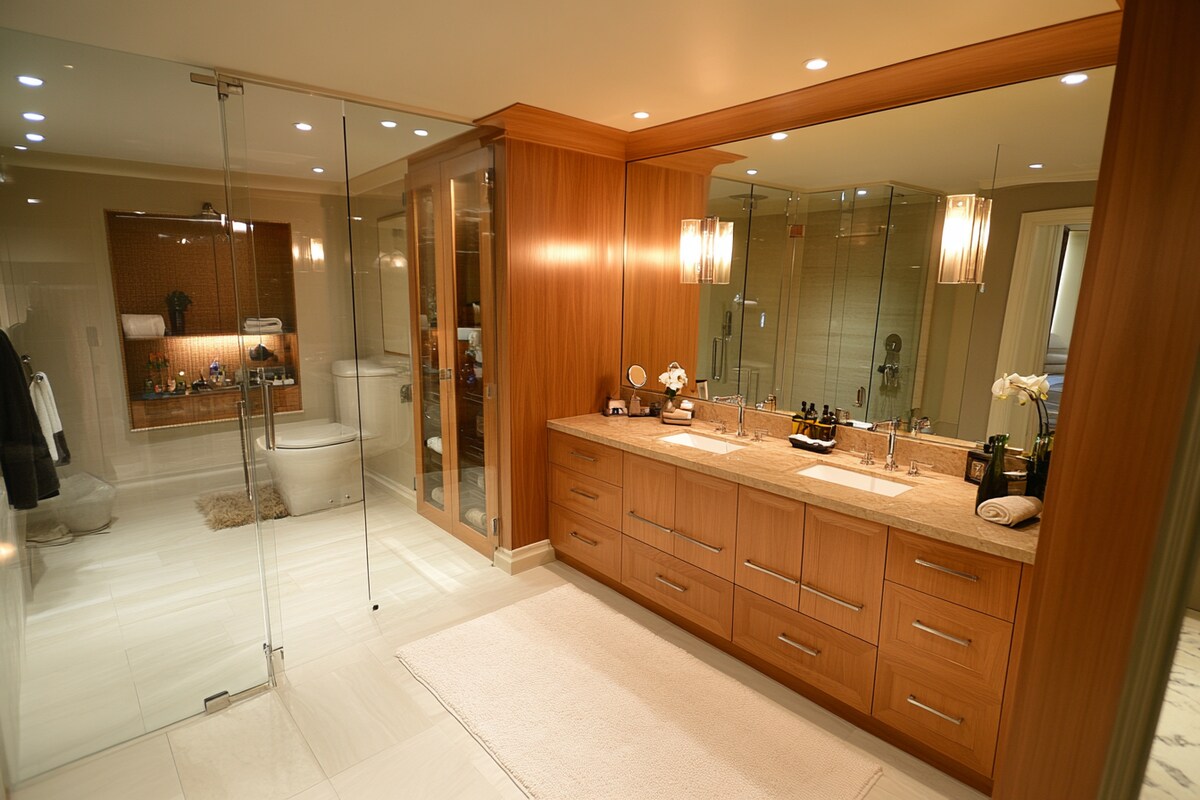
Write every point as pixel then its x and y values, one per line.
pixel 348 368
pixel 304 436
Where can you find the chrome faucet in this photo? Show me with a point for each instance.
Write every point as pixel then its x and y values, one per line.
pixel 893 426
pixel 740 402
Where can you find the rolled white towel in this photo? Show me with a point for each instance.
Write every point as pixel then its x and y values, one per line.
pixel 434 443
pixel 262 325
pixel 1009 510
pixel 438 495
pixel 143 325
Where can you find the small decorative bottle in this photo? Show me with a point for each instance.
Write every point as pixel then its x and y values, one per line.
pixel 994 483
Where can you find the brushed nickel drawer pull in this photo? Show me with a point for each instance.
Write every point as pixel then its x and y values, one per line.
pixel 921 626
pixel 640 518
pixel 698 543
pixel 666 582
pixel 582 493
pixel 584 457
pixel 584 539
pixel 831 598
pixel 771 572
pixel 964 575
pixel 914 701
pixel 808 651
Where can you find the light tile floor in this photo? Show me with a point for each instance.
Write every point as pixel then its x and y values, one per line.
pixel 347 720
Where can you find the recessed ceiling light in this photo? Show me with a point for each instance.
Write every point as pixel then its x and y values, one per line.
pixel 33 201
pixel 751 172
pixel 641 115
pixel 1074 78
pixel 357 219
pixel 388 123
pixel 779 137
pixel 421 132
pixel 35 137
pixel 33 116
pixel 861 192
pixel 303 126
pixel 68 66
pixel 29 80
pixel 1037 165
pixel 19 147
pixel 816 63
pixel 318 170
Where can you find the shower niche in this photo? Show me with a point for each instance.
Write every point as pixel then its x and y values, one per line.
pixel 194 292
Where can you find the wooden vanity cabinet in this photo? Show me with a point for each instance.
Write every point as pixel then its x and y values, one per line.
pixel 649 510
pixel 585 503
pixel 841 582
pixel 770 545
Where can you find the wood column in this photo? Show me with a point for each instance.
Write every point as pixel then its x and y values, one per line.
pixel 1137 339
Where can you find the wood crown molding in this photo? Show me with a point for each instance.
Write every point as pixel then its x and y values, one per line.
pixel 1080 44
pixel 701 161
pixel 532 124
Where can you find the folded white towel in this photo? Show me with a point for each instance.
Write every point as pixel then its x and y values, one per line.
pixel 434 443
pixel 143 325
pixel 262 325
pixel 1009 510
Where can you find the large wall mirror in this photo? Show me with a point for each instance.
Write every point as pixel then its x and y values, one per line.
pixel 834 296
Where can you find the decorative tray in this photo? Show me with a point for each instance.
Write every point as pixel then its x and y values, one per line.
pixel 812 445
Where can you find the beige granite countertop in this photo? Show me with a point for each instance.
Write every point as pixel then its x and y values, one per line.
pixel 938 506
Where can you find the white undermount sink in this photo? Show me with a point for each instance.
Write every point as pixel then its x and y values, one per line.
pixel 708 445
pixel 854 480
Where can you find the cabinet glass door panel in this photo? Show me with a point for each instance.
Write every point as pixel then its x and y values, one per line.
pixel 471 270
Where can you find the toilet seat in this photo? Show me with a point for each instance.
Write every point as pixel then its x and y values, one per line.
pixel 306 436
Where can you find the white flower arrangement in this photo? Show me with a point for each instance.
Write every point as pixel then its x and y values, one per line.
pixel 674 379
pixel 1026 388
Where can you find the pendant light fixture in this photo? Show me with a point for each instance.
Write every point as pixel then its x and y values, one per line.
pixel 705 250
pixel 964 238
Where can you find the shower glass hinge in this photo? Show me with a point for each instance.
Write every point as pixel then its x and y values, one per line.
pixel 216 702
pixel 224 86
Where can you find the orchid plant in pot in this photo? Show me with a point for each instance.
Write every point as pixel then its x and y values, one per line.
pixel 673 379
pixel 1036 388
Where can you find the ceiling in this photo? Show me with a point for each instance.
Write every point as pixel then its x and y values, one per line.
pixel 136 103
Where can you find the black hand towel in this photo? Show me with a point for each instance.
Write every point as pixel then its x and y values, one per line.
pixel 29 473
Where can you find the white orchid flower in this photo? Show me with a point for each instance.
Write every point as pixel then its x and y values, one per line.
pixel 1000 389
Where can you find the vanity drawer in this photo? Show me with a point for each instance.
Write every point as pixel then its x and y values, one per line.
pixel 770 545
pixel 940 636
pixel 837 663
pixel 590 542
pixel 685 589
pixel 935 710
pixel 969 578
pixel 587 458
pixel 592 498
pixel 841 582
pixel 706 516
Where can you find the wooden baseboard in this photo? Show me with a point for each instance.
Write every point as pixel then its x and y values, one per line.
pixel 864 721
pixel 524 558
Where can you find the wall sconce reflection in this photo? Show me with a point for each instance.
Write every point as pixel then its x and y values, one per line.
pixel 705 250
pixel 964 238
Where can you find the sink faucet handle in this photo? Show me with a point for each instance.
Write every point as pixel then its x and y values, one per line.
pixel 868 456
pixel 760 434
pixel 720 426
pixel 912 466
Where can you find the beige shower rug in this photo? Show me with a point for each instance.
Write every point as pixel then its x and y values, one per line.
pixel 232 509
pixel 575 700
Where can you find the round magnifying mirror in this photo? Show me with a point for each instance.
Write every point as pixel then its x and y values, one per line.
pixel 637 376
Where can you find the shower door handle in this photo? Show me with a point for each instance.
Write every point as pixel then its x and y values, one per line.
pixel 268 401
pixel 244 430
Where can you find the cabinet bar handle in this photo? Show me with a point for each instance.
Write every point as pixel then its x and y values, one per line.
pixel 582 493
pixel 640 518
pixel 666 582
pixel 964 575
pixel 914 701
pixel 581 455
pixel 831 598
pixel 698 543
pixel 783 637
pixel 771 572
pixel 923 627
pixel 584 539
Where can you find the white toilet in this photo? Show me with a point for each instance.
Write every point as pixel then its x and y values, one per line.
pixel 317 465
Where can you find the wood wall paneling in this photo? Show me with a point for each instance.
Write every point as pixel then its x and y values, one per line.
pixel 1080 44
pixel 1137 310
pixel 561 292
pixel 532 124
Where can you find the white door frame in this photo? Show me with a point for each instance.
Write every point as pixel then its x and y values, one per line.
pixel 1030 310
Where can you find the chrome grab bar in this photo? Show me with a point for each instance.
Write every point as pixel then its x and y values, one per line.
pixel 584 539
pixel 587 495
pixel 921 626
pixel 914 701
pixel 831 598
pixel 710 548
pixel 268 410
pixel 964 575
pixel 666 582
pixel 582 456
pixel 244 432
pixel 771 572
pixel 783 637
pixel 640 518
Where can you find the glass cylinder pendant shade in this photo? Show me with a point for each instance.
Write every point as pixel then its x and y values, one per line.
pixel 964 238
pixel 705 250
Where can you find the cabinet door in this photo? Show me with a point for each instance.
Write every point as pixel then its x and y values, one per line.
pixel 649 501
pixel 842 578
pixel 706 521
pixel 770 545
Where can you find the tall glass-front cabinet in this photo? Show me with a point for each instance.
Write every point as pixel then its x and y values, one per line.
pixel 454 341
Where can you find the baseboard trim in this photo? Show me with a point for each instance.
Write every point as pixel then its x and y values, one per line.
pixel 524 558
pixel 403 493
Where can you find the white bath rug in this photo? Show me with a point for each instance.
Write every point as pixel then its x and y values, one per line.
pixel 232 509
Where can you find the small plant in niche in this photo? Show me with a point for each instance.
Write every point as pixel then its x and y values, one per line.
pixel 673 379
